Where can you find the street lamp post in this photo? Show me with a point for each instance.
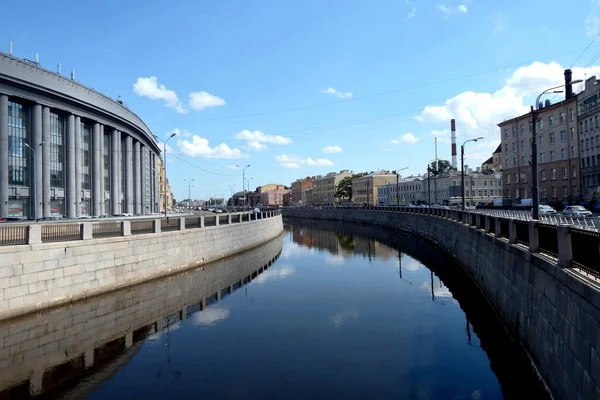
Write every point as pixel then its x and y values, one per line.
pixel 398 185
pixel 535 213
pixel 243 181
pixel 33 193
pixel 462 168
pixel 232 188
pixel 189 195
pixel 165 168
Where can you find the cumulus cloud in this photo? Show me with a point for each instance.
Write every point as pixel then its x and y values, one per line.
pixel 290 161
pixel 256 146
pixel 412 13
pixel 258 136
pixel 462 8
pixel 332 149
pixel 443 135
pixel 447 11
pixel 150 88
pixel 406 138
pixel 202 100
pixel 337 93
pixel 200 147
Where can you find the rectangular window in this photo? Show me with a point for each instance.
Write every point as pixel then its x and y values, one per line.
pixel 506 147
pixel 566 192
pixel 585 125
pixel 550 121
pixel 573 152
pixel 506 162
pixel 514 131
pixel 18 135
pixel 561 116
pixel 523 160
pixel 86 134
pixel 514 147
pixel 541 123
pixel 563 136
pixel 506 133
pixel 514 162
pixel 543 175
pixel 580 128
pixel 551 138
pixel 563 154
pixel 553 170
pixel 522 128
pixel 574 172
pixel 541 140
pixel 507 178
pixel 523 177
pixel 542 157
pixel 57 150
pixel 552 155
pixel 587 144
pixel 522 145
pixel 592 142
pixel 571 114
pixel 572 133
pixel 564 173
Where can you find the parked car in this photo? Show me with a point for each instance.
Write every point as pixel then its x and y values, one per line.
pixel 576 211
pixel 547 210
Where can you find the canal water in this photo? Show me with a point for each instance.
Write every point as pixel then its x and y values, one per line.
pixel 325 311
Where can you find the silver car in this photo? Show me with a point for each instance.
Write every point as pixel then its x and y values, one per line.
pixel 576 211
pixel 547 210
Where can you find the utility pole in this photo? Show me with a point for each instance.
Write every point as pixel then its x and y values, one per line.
pixel 462 167
pixel 165 168
pixel 189 195
pixel 244 181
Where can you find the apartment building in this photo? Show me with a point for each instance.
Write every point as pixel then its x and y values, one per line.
pixel 588 111
pixel 298 187
pixel 324 187
pixel 557 142
pixel 365 187
pixel 273 198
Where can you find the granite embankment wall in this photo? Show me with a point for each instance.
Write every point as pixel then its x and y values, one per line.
pixel 553 311
pixel 42 275
pixel 80 343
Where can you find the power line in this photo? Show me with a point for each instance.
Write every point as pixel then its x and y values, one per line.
pixel 399 90
pixel 200 168
pixel 584 50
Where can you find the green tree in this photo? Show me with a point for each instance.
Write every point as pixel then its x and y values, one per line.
pixel 343 191
pixel 442 167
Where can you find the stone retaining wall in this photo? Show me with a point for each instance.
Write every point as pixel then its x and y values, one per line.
pixel 553 311
pixel 42 275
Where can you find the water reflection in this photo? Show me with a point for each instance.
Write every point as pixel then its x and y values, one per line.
pixel 67 351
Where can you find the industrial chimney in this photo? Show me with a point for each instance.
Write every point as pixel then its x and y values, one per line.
pixel 568 85
pixel 453 137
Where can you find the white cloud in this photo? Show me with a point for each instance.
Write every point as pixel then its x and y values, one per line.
pixel 443 135
pixel 592 21
pixel 233 166
pixel 201 100
pixel 200 147
pixel 412 13
pixel 161 146
pixel 478 113
pixel 150 88
pixel 337 93
pixel 256 146
pixel 211 316
pixel 332 149
pixel 406 138
pixel 447 11
pixel 258 136
pixel 290 161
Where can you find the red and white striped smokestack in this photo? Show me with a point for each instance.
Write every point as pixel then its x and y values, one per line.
pixel 453 137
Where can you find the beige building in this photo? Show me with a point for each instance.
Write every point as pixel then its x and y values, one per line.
pixel 162 188
pixel 588 113
pixel 364 188
pixel 298 187
pixel 269 187
pixel 273 198
pixel 324 187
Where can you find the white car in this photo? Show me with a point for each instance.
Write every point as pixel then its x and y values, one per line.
pixel 547 210
pixel 576 211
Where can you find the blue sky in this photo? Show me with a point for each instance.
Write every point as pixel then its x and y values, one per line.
pixel 273 83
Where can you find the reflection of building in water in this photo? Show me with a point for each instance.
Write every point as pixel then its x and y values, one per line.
pixel 53 352
pixel 341 243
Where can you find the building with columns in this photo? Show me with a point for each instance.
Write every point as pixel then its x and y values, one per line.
pixel 68 150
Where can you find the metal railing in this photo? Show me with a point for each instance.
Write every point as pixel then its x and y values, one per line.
pixel 13 234
pixel 142 226
pixel 20 234
pixel 548 240
pixel 586 250
pixel 61 232
pixel 107 229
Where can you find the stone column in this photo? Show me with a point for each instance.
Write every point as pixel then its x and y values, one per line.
pixel 129 201
pixel 115 188
pixel 35 188
pixel 46 194
pixel 143 180
pixel 565 250
pixel 97 197
pixel 157 182
pixel 101 202
pixel 78 175
pixel 137 178
pixel 3 156
pixel 71 175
